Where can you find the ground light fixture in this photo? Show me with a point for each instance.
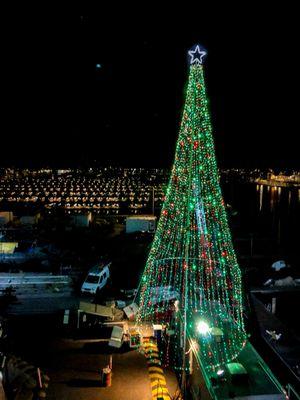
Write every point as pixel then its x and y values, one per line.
pixel 202 328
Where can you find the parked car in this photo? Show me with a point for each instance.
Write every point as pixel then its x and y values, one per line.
pixel 96 279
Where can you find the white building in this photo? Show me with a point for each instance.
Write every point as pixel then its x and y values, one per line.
pixel 140 223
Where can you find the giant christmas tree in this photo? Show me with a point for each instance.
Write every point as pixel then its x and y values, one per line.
pixel 192 266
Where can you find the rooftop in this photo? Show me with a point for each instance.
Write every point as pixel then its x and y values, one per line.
pixel 259 384
pixel 142 217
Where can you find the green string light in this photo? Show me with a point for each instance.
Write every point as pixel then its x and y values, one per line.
pixel 192 259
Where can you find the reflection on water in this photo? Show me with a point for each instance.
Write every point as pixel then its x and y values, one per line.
pixel 290 196
pixel 269 197
pixel 266 212
pixel 261 194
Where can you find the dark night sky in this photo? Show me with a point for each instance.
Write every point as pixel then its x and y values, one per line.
pixel 58 109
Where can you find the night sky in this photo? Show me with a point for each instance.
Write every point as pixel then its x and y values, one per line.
pixel 59 109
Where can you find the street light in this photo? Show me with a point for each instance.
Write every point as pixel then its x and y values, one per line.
pixel 202 328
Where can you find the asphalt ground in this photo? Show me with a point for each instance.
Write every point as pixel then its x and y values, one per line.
pixel 74 362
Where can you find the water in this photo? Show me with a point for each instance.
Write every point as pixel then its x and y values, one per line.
pixel 269 214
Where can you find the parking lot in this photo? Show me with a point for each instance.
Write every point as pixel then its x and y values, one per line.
pixel 74 363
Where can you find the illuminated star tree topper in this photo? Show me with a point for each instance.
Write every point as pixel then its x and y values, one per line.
pixel 197 54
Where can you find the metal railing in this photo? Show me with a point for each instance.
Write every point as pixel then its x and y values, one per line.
pixel 291 392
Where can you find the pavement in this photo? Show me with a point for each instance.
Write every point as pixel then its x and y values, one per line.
pixel 42 303
pixel 73 361
pixel 74 372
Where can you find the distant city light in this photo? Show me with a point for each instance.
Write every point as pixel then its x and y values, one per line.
pixel 106 190
pixel 110 190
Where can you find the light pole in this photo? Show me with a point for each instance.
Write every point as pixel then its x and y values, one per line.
pixel 153 200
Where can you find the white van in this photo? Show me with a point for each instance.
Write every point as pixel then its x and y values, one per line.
pixel 96 279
